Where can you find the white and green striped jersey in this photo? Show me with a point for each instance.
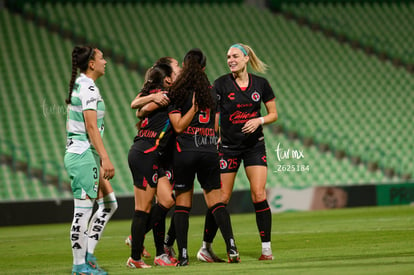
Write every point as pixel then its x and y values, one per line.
pixel 85 96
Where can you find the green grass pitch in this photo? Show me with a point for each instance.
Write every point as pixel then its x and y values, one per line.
pixel 378 240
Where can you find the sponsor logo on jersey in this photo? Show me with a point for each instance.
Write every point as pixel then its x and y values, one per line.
pixel 91 100
pixel 244 105
pixel 256 96
pixel 69 142
pixel 223 164
pixel 91 88
pixel 241 117
pixel 231 96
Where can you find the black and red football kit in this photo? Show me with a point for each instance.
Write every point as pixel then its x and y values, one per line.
pixel 149 157
pixel 196 149
pixel 237 105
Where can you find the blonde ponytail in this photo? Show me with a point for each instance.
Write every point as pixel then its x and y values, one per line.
pixel 257 64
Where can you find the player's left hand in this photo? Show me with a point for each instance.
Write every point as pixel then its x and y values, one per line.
pixel 251 125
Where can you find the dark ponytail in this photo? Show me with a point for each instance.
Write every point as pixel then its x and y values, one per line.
pixel 80 59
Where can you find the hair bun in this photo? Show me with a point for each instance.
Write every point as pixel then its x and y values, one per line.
pixel 201 58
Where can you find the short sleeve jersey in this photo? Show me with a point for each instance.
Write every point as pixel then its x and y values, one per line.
pixel 85 96
pixel 200 135
pixel 236 107
pixel 155 131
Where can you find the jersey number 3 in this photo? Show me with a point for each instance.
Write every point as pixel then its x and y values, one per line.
pixel 204 116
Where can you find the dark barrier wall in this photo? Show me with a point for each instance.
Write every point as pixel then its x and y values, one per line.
pixel 42 212
pixel 51 211
pixel 277 4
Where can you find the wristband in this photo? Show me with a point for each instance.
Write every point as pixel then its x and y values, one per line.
pixel 261 120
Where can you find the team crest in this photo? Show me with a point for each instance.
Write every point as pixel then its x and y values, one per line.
pixel 155 178
pixel 256 96
pixel 168 174
pixel 223 164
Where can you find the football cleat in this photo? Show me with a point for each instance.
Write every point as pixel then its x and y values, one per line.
pixel 233 256
pixel 182 262
pixel 92 261
pixel 131 263
pixel 85 269
pixel 267 255
pixel 207 255
pixel 169 250
pixel 145 253
pixel 163 260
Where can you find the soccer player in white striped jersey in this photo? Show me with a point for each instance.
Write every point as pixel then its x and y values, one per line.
pixel 86 159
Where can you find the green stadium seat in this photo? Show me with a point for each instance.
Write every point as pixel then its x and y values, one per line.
pixel 384 26
pixel 325 91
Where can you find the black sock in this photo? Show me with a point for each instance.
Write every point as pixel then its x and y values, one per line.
pixel 222 218
pixel 158 227
pixel 263 220
pixel 210 227
pixel 170 238
pixel 151 218
pixel 139 223
pixel 181 221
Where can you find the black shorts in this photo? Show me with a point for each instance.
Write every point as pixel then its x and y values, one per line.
pixel 165 168
pixel 231 159
pixel 204 164
pixel 146 168
pixel 166 171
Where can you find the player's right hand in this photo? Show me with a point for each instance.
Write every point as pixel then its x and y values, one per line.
pixel 161 98
pixel 108 169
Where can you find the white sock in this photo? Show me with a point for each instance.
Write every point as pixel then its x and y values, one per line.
pixel 79 240
pixel 106 208
pixel 206 245
pixel 266 246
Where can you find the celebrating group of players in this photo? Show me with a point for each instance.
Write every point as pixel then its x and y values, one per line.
pixel 186 128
